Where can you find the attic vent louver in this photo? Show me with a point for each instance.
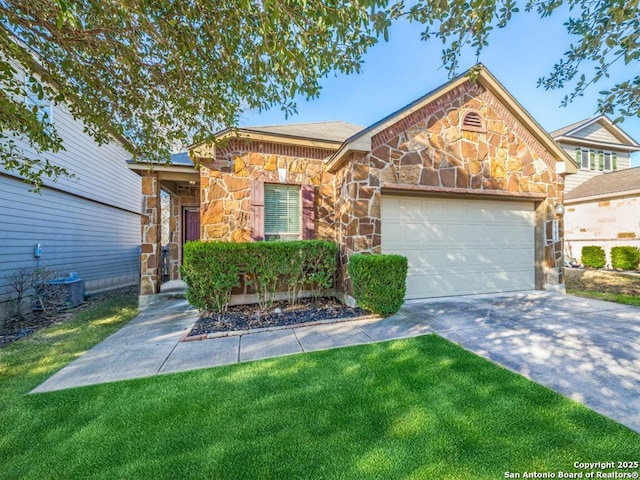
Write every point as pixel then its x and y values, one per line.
pixel 473 121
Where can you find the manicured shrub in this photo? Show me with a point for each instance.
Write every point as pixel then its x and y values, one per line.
pixel 305 264
pixel 379 281
pixel 625 258
pixel 593 257
pixel 212 269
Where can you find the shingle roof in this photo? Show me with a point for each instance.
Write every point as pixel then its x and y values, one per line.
pixel 336 131
pixel 181 158
pixel 608 184
pixel 623 137
pixel 560 132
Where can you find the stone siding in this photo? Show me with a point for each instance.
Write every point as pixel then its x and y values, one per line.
pixel 150 235
pixel 226 186
pixel 430 152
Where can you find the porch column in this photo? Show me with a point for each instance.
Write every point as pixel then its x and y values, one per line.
pixel 150 231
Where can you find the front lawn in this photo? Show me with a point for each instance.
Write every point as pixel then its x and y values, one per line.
pixel 603 285
pixel 421 408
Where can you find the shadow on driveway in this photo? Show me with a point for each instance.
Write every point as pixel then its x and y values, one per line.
pixel 585 349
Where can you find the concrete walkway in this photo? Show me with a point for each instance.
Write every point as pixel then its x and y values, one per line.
pixel 587 350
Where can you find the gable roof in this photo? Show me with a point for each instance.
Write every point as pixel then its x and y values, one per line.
pixel 607 184
pixel 361 141
pixel 335 131
pixel 570 134
pixel 328 135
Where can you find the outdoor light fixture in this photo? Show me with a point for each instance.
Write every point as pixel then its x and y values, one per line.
pixel 282 174
pixel 559 209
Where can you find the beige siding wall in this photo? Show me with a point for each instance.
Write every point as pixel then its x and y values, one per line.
pixel 607 223
pixel 572 181
pixel 597 133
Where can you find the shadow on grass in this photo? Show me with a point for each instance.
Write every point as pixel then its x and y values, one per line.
pixel 416 408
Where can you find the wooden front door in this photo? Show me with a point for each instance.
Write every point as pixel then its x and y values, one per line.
pixel 191 225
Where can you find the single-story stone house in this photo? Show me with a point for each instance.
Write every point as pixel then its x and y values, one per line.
pixel 604 211
pixel 462 181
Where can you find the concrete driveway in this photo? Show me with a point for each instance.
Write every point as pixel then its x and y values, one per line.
pixel 587 350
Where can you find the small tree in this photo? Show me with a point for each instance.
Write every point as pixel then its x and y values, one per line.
pixel 20 282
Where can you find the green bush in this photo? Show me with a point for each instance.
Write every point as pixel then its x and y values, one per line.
pixel 212 269
pixel 593 257
pixel 379 281
pixel 625 258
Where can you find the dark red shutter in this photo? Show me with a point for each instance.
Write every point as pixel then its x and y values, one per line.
pixel 257 211
pixel 308 193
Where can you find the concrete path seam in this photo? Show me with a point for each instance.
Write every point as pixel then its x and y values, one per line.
pixel 298 340
pixel 167 358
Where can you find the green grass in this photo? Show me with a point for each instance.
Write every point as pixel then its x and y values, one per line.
pixel 609 297
pixel 421 408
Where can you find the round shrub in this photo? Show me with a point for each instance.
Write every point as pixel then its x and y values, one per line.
pixel 593 256
pixel 379 281
pixel 625 258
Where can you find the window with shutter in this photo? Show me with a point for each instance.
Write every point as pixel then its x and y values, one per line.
pixel 282 213
pixel 583 158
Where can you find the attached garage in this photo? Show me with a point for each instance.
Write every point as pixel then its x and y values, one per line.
pixel 461 246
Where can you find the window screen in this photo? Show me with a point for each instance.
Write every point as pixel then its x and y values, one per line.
pixel 281 212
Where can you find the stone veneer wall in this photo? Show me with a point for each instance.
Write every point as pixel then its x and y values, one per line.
pixel 429 150
pixel 150 235
pixel 226 181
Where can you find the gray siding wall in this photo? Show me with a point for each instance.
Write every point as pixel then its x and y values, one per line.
pixel 89 224
pixel 99 242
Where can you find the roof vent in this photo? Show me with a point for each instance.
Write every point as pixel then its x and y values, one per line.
pixel 473 122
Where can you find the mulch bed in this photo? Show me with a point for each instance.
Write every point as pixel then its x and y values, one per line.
pixel 16 328
pixel 248 317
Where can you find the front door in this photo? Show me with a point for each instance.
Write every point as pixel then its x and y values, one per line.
pixel 191 225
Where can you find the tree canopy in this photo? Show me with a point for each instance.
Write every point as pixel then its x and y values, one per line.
pixel 159 73
pixel 606 32
pixel 164 72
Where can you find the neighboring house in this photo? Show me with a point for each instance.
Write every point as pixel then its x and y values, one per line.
pixel 462 181
pixel 89 224
pixel 603 211
pixel 598 146
pixel 600 197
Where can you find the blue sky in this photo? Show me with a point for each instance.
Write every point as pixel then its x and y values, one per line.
pixel 397 72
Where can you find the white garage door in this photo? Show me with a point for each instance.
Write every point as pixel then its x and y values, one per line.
pixel 461 247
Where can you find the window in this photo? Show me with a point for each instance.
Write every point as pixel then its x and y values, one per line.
pixel 35 98
pixel 596 161
pixel 282 214
pixel 585 160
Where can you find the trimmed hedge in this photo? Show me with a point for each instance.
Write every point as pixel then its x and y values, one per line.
pixel 379 281
pixel 212 270
pixel 593 256
pixel 625 258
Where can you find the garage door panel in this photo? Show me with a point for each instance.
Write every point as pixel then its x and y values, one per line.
pixel 457 247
